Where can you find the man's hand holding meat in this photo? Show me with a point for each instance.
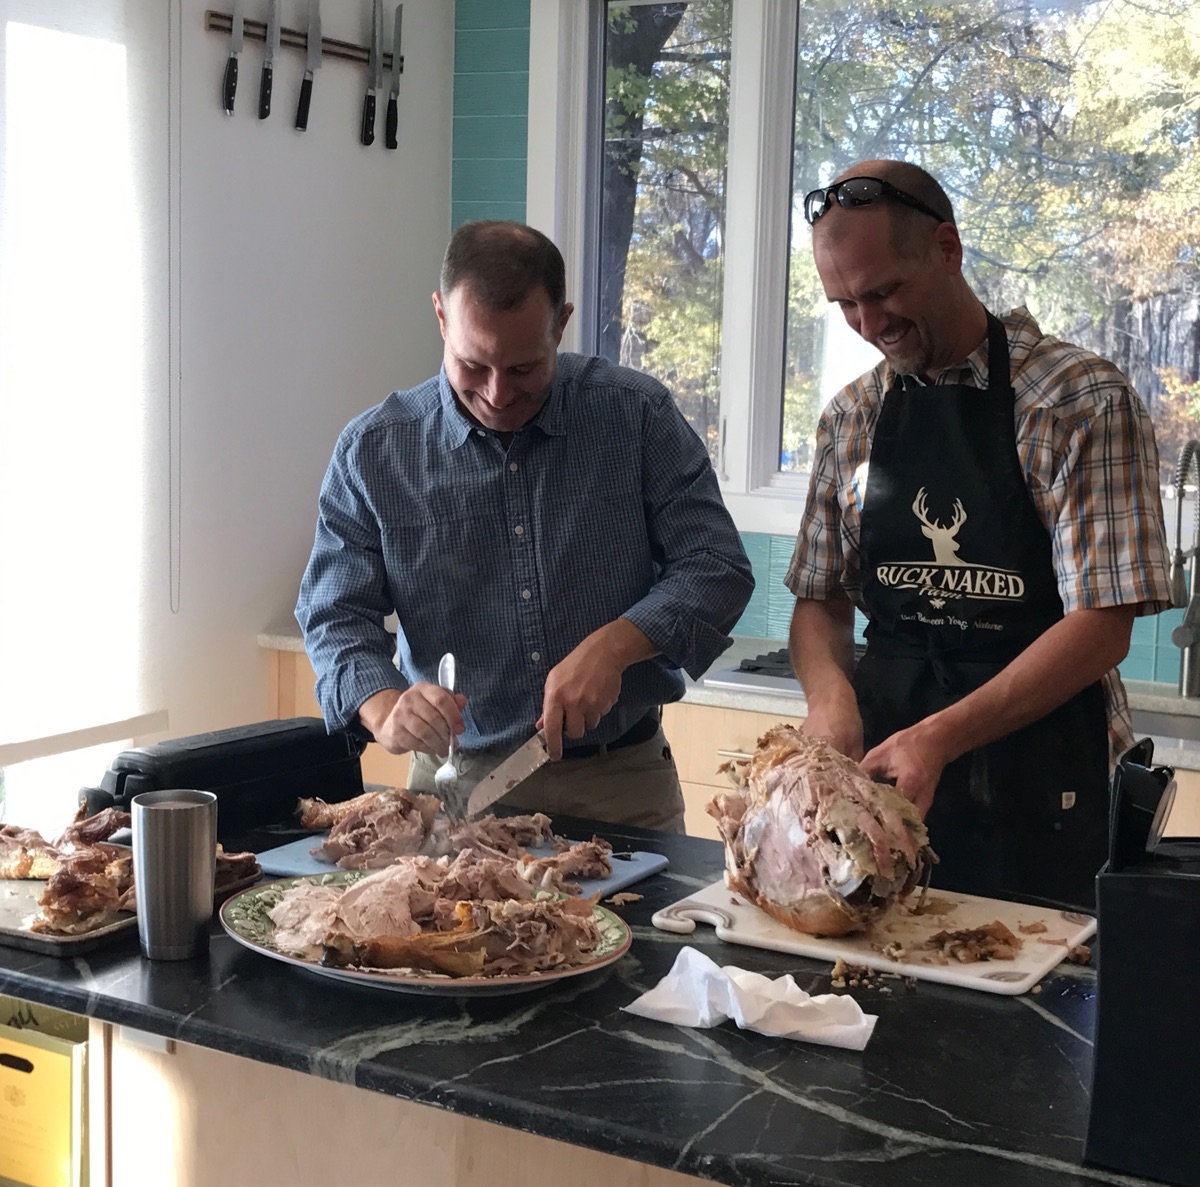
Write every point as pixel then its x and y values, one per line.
pixel 1070 656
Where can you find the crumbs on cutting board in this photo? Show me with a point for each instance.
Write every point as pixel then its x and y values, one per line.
pixel 860 976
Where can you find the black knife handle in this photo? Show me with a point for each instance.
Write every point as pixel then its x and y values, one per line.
pixel 302 107
pixel 229 84
pixel 393 120
pixel 367 132
pixel 264 91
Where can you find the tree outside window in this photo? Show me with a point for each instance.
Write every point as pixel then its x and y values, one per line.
pixel 1064 133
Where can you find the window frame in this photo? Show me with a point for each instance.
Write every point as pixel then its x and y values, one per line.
pixel 562 187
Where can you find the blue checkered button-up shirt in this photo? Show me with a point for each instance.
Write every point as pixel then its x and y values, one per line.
pixel 604 506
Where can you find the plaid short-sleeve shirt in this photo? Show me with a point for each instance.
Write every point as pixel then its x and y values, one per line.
pixel 1086 445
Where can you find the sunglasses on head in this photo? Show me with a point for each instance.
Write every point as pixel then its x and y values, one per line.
pixel 860 191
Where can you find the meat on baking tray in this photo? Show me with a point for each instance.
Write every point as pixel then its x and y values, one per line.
pixel 813 841
pixel 25 853
pixel 89 883
pixel 90 830
pixel 87 891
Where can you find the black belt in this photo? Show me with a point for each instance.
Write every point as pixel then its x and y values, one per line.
pixel 640 731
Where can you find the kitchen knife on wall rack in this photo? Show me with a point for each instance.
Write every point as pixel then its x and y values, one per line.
pixel 312 63
pixel 393 108
pixel 374 73
pixel 236 40
pixel 317 48
pixel 270 47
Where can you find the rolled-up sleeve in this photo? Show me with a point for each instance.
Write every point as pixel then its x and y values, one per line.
pixel 816 565
pixel 704 577
pixel 826 555
pixel 1106 520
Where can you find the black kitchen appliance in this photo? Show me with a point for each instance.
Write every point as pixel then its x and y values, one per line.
pixel 257 771
pixel 1147 1047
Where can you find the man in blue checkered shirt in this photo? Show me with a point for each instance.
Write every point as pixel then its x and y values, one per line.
pixel 550 519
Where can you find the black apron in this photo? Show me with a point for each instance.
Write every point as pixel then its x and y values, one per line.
pixel 958 580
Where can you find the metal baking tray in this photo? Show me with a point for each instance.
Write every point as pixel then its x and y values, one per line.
pixel 19 901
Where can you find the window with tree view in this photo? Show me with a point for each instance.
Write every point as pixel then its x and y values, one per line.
pixel 662 220
pixel 1064 132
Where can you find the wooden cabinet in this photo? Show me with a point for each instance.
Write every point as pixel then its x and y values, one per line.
pixel 193 1117
pixel 290 694
pixel 698 734
pixel 1184 820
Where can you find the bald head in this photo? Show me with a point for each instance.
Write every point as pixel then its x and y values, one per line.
pixel 896 272
pixel 911 228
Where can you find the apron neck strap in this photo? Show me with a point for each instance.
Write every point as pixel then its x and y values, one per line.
pixel 999 366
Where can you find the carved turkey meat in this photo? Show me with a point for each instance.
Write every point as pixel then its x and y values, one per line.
pixel 813 841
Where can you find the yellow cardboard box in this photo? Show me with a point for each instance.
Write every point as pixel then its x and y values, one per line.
pixel 42 1097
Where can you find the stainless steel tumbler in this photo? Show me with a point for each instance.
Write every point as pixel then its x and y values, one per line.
pixel 174 866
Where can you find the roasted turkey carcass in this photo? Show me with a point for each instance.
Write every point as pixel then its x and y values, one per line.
pixel 813 841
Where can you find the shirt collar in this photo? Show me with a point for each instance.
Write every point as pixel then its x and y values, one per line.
pixel 456 428
pixel 1023 333
pixel 551 418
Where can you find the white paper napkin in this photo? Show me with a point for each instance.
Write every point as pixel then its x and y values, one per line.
pixel 698 992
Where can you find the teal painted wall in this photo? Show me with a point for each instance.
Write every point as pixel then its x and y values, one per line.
pixel 491 102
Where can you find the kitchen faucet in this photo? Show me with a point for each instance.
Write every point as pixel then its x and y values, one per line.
pixel 1186 636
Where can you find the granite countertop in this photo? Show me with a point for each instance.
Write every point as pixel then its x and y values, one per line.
pixel 956 1086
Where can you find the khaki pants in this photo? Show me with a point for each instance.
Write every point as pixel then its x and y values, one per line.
pixel 634 785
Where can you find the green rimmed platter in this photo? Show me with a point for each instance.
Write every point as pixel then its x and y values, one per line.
pixel 245 917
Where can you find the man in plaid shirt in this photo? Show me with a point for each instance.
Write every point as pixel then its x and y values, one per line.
pixel 988 497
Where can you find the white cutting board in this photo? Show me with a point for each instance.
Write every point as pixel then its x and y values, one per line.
pixel 739 922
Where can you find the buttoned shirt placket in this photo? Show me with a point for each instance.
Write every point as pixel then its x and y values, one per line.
pixel 521 518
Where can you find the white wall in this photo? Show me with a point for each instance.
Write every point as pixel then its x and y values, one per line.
pixel 305 266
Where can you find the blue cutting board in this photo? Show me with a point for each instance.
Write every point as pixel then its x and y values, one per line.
pixel 294 860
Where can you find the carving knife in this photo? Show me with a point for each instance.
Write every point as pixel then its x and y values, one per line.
pixel 375 72
pixel 517 767
pixel 236 38
pixel 393 114
pixel 270 48
pixel 312 62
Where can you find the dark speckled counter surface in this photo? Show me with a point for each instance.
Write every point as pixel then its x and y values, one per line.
pixel 956 1087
